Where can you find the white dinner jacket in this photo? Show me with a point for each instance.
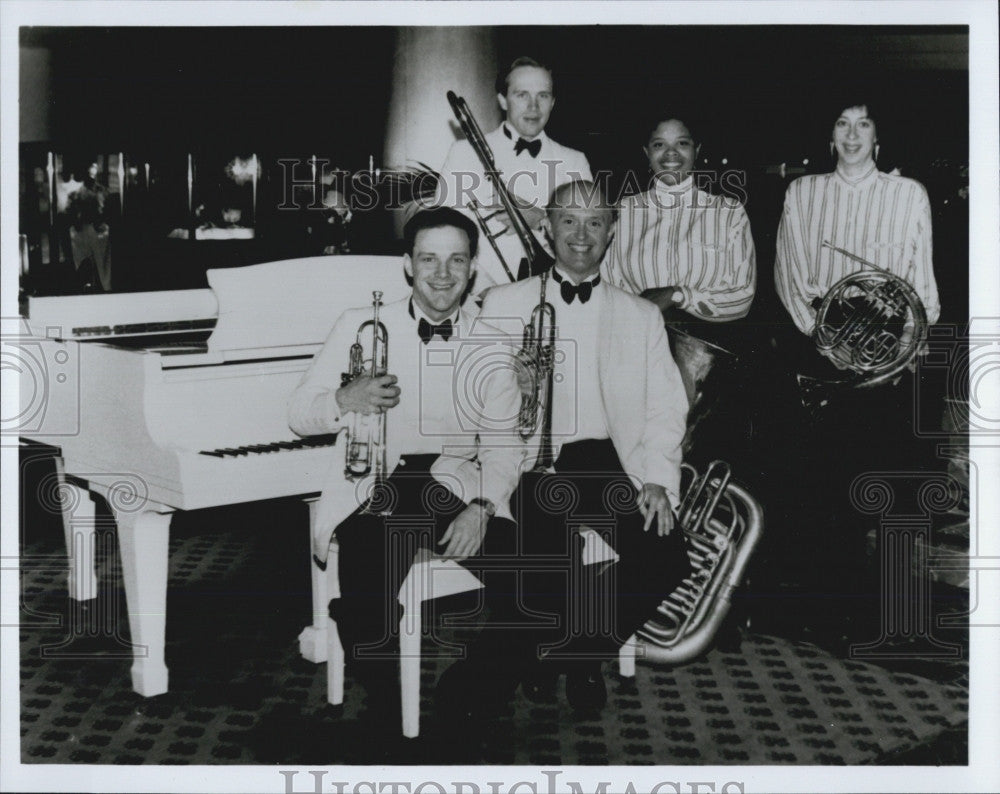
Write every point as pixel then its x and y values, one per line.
pixel 643 397
pixel 468 465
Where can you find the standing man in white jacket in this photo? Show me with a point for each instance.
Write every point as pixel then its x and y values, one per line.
pixel 530 163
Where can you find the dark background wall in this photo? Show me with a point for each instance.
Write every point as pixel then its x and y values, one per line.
pixel 763 91
pixel 759 96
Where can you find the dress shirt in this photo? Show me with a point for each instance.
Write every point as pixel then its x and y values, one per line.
pixel 880 217
pixel 685 237
pixel 531 179
pixel 418 314
pixel 577 413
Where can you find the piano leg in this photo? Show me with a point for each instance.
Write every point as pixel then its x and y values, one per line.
pixel 80 531
pixel 325 585
pixel 143 538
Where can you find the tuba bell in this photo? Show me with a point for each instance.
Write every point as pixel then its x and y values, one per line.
pixel 365 454
pixel 722 524
pixel 871 323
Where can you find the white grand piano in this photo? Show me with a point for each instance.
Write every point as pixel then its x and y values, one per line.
pixel 177 400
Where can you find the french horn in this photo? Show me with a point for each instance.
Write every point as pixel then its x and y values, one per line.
pixel 871 323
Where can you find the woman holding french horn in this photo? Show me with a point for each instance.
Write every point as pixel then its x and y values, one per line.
pixel 853 219
pixel 853 269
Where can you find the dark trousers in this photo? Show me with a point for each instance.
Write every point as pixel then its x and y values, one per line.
pixel 813 461
pixel 570 611
pixel 376 553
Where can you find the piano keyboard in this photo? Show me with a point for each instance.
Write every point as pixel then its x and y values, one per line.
pixel 140 329
pixel 276 446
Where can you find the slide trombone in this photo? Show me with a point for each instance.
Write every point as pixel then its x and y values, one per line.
pixel 538 259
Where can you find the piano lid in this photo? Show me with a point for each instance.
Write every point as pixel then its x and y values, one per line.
pixel 275 309
pixel 292 304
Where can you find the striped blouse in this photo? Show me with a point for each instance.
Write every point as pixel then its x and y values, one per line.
pixel 883 218
pixel 684 237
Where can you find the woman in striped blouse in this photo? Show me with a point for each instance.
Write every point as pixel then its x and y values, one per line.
pixel 882 217
pixel 679 246
pixel 820 533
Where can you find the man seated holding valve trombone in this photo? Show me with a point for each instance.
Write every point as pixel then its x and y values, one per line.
pixel 606 454
pixel 429 434
pixel 530 164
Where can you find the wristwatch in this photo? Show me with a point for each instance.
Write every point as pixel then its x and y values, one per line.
pixel 486 504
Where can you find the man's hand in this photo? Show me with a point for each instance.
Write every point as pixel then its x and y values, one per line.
pixel 533 216
pixel 465 535
pixel 664 297
pixel 367 395
pixel 653 503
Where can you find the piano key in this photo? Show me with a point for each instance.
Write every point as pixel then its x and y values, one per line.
pixel 310 442
pixel 320 441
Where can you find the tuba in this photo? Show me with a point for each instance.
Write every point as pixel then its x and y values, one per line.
pixel 704 368
pixel 365 454
pixel 722 524
pixel 537 356
pixel 871 323
pixel 538 259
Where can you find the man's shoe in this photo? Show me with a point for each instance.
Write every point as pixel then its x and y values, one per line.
pixel 585 688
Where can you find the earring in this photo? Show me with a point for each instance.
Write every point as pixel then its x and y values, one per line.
pixel 875 158
pixel 831 148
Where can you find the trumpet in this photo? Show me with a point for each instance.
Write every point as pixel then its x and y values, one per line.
pixel 538 258
pixel 537 355
pixel 366 435
pixel 871 323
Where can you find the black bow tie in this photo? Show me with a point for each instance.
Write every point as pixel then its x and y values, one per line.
pixel 533 147
pixel 569 291
pixel 426 330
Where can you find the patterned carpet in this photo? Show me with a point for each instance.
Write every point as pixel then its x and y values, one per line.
pixel 240 693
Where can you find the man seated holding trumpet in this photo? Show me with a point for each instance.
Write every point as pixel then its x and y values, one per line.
pixel 606 447
pixel 435 482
